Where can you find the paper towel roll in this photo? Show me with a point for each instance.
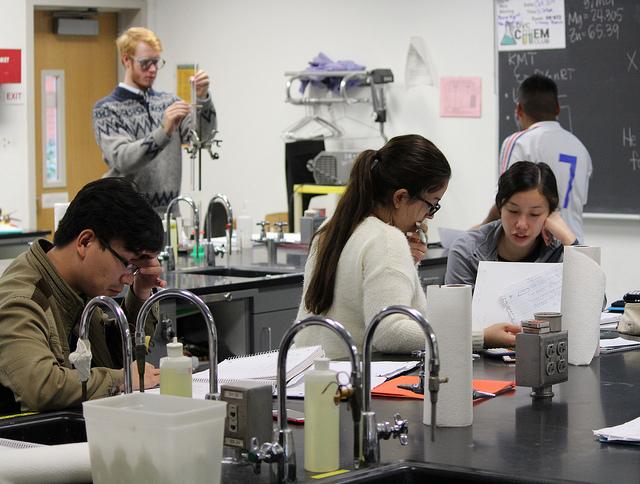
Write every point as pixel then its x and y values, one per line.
pixel 59 209
pixel 449 313
pixel 583 284
pixel 55 463
pixel 592 252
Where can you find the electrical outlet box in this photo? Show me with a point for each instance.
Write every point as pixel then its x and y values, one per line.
pixel 249 413
pixel 542 359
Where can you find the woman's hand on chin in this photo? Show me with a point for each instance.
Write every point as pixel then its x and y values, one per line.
pixel 556 228
pixel 418 248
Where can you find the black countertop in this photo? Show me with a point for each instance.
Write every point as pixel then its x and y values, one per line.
pixel 30 234
pixel 289 270
pixel 512 435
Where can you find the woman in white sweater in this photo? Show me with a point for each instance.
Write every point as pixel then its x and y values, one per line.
pixel 362 259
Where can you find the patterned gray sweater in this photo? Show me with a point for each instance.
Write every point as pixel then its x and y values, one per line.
pixel 128 129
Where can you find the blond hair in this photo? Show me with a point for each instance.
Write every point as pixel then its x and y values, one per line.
pixel 129 40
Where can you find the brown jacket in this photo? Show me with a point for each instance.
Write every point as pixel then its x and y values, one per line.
pixel 39 317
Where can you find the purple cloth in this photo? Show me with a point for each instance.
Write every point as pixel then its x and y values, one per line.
pixel 323 63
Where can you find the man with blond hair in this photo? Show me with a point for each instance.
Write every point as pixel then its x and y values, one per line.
pixel 139 130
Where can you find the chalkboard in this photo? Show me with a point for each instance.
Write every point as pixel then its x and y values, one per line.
pixel 598 78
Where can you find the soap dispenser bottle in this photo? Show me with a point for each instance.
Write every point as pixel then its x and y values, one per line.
pixel 321 419
pixel 175 371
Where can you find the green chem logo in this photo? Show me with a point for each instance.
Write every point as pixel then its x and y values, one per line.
pixel 522 33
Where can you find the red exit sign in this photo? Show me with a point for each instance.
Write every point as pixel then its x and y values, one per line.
pixel 10 66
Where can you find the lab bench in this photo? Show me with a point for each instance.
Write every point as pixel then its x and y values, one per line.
pixel 512 439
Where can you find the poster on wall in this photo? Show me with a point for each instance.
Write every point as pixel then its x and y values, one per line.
pixel 460 97
pixel 10 66
pixel 530 24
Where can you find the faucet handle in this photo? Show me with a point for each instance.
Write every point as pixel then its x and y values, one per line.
pixel 398 430
pixel 167 327
pixel 401 429
pixel 280 229
pixel 343 392
pixel 268 453
pixel 263 231
pixel 254 455
pixel 435 381
pixel 167 259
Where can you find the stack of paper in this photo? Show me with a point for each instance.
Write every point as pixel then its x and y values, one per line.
pixel 614 345
pixel 261 367
pixel 609 320
pixel 626 433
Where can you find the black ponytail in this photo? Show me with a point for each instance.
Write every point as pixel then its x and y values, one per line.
pixel 411 162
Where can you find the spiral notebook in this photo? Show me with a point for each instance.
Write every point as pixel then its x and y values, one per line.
pixel 261 367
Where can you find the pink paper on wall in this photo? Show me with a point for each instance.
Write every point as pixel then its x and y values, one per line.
pixel 461 97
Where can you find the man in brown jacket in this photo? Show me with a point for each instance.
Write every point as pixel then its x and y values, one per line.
pixel 108 238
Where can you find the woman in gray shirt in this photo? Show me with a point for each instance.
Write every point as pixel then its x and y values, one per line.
pixel 530 229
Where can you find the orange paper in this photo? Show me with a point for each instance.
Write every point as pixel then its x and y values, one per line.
pixel 390 388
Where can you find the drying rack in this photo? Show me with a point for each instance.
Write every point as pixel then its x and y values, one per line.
pixel 375 79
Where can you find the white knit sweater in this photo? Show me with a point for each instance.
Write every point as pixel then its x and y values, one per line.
pixel 375 270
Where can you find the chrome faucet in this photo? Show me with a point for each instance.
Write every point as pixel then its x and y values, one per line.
pixel 281 453
pixel 272 243
pixel 211 327
pixel 168 259
pixel 280 230
pixel 210 250
pixel 123 324
pixel 372 432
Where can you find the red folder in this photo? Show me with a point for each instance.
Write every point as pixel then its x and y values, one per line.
pixel 390 388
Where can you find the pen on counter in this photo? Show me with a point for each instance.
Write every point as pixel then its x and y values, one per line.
pixel 478 394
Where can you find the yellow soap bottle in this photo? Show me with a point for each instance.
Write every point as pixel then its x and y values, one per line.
pixel 175 371
pixel 321 419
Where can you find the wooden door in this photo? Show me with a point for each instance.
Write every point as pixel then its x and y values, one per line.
pixel 89 64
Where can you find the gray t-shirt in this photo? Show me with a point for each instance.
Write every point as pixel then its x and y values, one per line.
pixel 481 244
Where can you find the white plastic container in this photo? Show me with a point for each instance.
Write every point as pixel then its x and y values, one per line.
pixel 175 371
pixel 244 224
pixel 321 419
pixel 142 437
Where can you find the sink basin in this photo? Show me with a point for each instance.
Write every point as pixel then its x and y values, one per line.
pixel 49 429
pixel 418 472
pixel 237 272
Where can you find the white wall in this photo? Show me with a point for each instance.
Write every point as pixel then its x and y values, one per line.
pixel 15 171
pixel 620 242
pixel 246 45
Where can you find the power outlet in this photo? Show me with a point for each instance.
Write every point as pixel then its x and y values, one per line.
pixel 249 407
pixel 542 359
pixel 232 417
